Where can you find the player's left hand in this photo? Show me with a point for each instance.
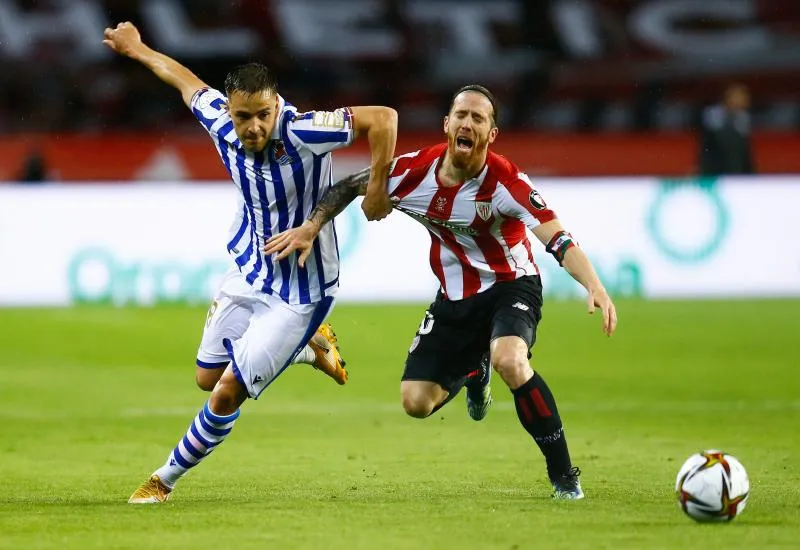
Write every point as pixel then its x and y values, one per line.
pixel 376 206
pixel 599 298
pixel 298 238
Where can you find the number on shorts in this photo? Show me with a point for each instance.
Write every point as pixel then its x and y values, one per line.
pixel 426 326
pixel 211 310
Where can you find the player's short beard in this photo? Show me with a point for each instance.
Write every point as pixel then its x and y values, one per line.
pixel 462 163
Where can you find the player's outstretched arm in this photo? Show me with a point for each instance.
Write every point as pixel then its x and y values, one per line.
pixel 380 125
pixel 560 244
pixel 329 206
pixel 126 40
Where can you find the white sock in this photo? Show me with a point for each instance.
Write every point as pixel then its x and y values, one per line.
pixel 306 355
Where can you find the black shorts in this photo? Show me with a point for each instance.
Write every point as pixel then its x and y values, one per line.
pixel 454 334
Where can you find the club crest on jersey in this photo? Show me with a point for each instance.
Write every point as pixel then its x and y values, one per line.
pixel 536 200
pixel 279 153
pixel 484 209
pixel 439 204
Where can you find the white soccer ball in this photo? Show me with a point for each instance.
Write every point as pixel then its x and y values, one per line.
pixel 712 486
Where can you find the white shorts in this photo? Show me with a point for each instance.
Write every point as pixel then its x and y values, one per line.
pixel 258 333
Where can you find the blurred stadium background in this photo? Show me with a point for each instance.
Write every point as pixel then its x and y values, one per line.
pixel 114 209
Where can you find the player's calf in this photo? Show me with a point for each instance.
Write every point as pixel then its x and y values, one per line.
pixel 538 414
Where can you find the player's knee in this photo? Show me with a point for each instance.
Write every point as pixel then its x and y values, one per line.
pixel 204 382
pixel 206 379
pixel 513 368
pixel 226 398
pixel 222 403
pixel 417 405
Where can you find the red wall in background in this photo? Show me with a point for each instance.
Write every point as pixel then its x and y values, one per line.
pixel 135 157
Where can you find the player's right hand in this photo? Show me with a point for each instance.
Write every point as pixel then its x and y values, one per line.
pixel 376 207
pixel 298 238
pixel 600 298
pixel 124 39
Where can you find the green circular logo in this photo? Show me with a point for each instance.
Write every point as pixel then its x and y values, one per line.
pixel 688 250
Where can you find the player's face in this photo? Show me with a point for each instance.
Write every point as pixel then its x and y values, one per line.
pixel 738 98
pixel 253 117
pixel 470 129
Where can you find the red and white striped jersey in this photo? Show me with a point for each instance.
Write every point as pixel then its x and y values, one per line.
pixel 477 228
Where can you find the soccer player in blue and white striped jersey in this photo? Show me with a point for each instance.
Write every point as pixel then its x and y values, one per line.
pixel 268 314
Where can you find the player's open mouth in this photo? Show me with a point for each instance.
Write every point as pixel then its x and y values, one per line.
pixel 463 144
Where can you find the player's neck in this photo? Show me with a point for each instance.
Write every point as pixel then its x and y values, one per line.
pixel 451 176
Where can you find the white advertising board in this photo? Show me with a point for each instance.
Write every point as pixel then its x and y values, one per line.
pixel 146 244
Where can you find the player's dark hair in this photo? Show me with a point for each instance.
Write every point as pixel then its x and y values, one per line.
pixel 481 90
pixel 249 79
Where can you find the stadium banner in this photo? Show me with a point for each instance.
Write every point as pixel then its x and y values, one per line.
pixel 191 157
pixel 165 243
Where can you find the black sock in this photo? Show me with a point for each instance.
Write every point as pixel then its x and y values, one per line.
pixel 538 414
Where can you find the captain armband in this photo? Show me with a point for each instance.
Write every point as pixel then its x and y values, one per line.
pixel 559 244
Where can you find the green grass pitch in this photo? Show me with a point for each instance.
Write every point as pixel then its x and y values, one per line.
pixel 93 399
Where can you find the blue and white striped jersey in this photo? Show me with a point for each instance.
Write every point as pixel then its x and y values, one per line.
pixel 279 187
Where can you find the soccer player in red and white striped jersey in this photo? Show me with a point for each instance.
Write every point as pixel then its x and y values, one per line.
pixel 477 206
pixel 477 226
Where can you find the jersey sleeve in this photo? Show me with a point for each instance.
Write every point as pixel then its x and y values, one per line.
pixel 323 131
pixel 519 198
pixel 210 107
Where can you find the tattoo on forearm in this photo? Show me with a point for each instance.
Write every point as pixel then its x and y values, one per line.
pixel 342 193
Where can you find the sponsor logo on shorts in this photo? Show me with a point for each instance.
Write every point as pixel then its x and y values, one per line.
pixel 520 305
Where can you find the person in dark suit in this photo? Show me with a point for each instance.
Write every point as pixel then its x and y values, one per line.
pixel 725 146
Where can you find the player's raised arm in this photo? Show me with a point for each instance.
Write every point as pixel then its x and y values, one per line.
pixel 126 40
pixel 329 206
pixel 380 125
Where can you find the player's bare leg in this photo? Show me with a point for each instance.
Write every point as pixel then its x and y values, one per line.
pixel 537 412
pixel 422 398
pixel 207 378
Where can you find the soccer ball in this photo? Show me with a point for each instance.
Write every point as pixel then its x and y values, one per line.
pixel 712 486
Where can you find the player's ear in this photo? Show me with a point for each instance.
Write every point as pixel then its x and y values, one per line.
pixel 446 120
pixel 493 134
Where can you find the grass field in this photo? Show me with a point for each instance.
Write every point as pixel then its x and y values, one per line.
pixel 93 399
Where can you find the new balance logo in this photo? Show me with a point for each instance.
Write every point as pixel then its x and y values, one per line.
pixel 256 379
pixel 172 462
pixel 520 305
